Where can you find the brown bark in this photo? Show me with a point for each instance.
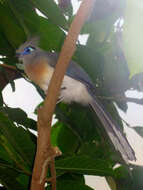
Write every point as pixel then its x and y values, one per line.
pixel 7 74
pixel 45 152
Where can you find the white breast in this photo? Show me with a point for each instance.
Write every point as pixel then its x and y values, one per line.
pixel 75 91
pixel 71 90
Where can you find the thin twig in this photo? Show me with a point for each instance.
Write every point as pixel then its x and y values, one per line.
pixel 53 173
pixel 45 152
pixel 8 66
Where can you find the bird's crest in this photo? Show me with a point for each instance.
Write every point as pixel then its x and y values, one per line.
pixel 34 41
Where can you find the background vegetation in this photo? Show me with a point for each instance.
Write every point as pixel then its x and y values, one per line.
pixel 108 58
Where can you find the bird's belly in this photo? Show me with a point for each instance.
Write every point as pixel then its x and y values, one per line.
pixel 71 89
pixel 74 91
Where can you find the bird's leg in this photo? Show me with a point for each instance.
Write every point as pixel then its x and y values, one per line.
pixel 61 98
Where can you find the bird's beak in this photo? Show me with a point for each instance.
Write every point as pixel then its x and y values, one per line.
pixel 17 55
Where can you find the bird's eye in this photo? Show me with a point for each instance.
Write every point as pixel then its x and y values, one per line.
pixel 29 49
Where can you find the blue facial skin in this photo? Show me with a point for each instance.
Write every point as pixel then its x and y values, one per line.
pixel 27 50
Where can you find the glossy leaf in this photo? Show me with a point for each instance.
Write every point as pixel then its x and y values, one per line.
pixel 13 178
pixel 61 134
pixel 96 150
pixel 51 10
pixel 84 165
pixel 72 185
pixel 17 142
pixel 46 29
pixel 137 176
pixel 8 179
pixel 128 181
pixel 5 47
pixel 80 119
pixel 93 57
pixel 9 20
pixel 19 116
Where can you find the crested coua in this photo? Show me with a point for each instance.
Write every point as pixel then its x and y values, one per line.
pixel 76 87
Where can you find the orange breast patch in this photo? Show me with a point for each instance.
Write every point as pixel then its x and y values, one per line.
pixel 39 72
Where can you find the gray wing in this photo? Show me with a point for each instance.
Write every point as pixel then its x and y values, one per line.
pixel 113 131
pixel 73 71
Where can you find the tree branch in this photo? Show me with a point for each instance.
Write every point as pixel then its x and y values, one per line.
pixel 8 66
pixel 45 152
pixel 7 74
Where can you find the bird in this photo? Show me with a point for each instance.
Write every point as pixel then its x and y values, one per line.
pixel 76 87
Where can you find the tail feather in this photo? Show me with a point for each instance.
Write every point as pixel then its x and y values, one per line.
pixel 116 136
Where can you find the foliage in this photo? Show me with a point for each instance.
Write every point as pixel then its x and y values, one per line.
pixel 78 132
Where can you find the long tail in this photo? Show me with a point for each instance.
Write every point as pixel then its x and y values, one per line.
pixel 116 136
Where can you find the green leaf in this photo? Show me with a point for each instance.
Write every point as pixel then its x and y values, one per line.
pixel 10 179
pixel 46 29
pixel 10 26
pixel 71 185
pixel 96 150
pixel 114 61
pixel 15 114
pixel 128 180
pixel 100 29
pixel 37 25
pixel 24 180
pixel 52 11
pixel 5 47
pixel 4 156
pixel 111 183
pixel 17 143
pixel 90 55
pixel 137 177
pixel 71 180
pixel 26 15
pixel 19 116
pixel 139 130
pixel 85 165
pixel 80 119
pixel 97 30
pixel 60 137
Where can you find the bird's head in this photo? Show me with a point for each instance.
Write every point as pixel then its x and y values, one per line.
pixel 28 51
